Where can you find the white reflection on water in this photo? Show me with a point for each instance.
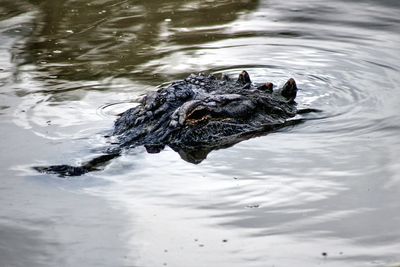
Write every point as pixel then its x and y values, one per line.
pixel 189 210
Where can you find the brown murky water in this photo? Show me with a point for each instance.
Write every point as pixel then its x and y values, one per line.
pixel 325 192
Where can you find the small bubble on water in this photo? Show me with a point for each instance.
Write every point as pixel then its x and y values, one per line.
pixel 253 206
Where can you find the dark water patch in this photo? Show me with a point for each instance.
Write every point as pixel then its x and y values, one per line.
pixel 58 37
pixel 31 245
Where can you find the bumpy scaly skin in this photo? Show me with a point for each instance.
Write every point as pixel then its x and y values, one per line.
pixel 202 112
pixel 195 116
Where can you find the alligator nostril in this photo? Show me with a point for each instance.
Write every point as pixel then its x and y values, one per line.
pixel 289 90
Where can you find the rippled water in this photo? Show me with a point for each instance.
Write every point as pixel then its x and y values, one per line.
pixel 325 192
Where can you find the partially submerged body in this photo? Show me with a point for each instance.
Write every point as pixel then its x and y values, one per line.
pixel 195 116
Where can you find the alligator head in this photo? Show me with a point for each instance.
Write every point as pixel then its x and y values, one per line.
pixel 203 113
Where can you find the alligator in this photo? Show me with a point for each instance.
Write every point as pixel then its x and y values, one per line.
pixel 195 116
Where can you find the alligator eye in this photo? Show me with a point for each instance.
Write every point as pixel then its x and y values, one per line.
pixel 198 114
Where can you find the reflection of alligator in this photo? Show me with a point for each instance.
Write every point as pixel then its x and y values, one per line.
pixel 195 116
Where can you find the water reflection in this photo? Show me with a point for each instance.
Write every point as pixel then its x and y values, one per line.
pixel 90 40
pixel 325 186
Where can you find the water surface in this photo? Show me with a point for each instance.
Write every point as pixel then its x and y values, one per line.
pixel 325 192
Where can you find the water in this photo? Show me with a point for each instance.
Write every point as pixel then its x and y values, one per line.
pixel 324 192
